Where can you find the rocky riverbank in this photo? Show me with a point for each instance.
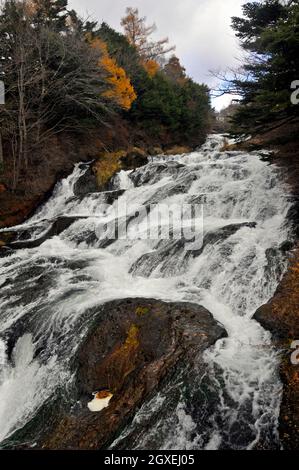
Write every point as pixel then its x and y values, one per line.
pixel 109 155
pixel 68 410
pixel 281 314
pixel 281 317
pixel 132 347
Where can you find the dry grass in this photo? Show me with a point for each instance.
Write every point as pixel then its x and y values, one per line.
pixel 178 150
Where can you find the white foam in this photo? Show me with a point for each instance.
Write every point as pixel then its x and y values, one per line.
pixel 231 278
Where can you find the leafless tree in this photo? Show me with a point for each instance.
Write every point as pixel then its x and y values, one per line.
pixel 51 78
pixel 138 34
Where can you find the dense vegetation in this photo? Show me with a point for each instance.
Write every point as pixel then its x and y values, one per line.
pixel 67 76
pixel 269 35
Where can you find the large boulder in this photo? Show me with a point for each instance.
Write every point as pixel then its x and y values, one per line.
pixel 87 183
pixel 131 348
pixel 134 158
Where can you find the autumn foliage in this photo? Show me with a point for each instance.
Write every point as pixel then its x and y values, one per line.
pixel 139 34
pixel 151 67
pixel 120 90
pixel 67 76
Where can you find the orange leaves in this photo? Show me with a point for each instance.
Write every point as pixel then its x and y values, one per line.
pixel 151 67
pixel 30 7
pixel 98 44
pixel 120 90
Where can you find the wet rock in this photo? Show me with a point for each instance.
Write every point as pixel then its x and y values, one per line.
pixel 134 159
pixel 104 197
pixel 155 171
pixel 5 251
pixel 86 184
pixel 281 316
pixel 58 226
pixel 172 256
pixel 111 196
pixel 131 348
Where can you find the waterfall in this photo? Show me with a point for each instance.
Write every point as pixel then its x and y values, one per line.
pixel 46 292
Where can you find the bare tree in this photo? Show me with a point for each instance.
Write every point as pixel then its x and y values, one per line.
pixel 138 34
pixel 54 83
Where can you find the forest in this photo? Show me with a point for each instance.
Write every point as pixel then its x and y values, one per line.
pixel 68 79
pixel 265 81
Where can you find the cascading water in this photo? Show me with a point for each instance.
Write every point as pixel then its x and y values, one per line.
pixel 47 291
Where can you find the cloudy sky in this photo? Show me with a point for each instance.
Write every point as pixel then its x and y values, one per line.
pixel 200 29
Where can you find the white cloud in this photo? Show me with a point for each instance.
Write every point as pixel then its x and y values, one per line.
pixel 199 28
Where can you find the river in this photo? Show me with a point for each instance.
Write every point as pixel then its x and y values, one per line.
pixel 46 291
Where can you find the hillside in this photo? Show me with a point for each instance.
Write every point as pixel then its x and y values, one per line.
pixel 76 89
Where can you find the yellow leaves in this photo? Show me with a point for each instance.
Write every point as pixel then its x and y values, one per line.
pixel 140 311
pixel 120 89
pixel 151 67
pixel 107 166
pixel 132 338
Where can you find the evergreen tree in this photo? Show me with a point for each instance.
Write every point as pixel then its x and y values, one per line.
pixel 64 75
pixel 174 70
pixel 50 13
pixel 269 33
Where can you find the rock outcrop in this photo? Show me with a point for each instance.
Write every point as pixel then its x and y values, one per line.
pixel 86 184
pixel 135 158
pixel 132 346
pixel 281 317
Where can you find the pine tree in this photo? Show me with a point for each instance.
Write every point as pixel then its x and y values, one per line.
pixel 175 71
pixel 269 33
pixel 50 13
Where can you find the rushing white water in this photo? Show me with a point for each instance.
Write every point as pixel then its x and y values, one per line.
pixel 46 292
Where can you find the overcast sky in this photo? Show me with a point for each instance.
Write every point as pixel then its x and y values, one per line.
pixel 200 29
